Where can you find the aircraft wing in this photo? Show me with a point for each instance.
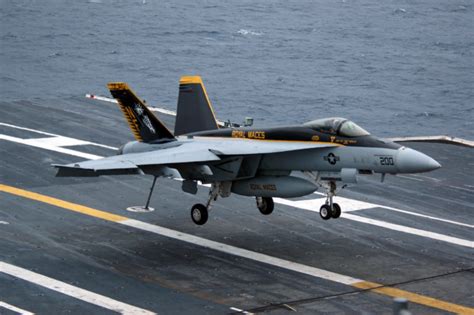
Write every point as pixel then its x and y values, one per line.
pixel 190 151
pixel 131 163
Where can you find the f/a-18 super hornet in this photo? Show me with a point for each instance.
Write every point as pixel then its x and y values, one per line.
pixel 259 162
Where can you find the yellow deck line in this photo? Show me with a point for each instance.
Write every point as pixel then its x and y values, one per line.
pixel 413 297
pixel 365 285
pixel 63 204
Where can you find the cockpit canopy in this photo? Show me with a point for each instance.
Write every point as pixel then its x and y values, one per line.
pixel 337 126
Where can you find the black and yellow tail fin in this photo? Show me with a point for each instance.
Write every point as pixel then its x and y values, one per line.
pixel 145 126
pixel 194 112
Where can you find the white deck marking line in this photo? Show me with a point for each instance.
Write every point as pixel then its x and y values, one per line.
pixel 236 251
pixel 374 205
pixel 235 309
pixel 466 189
pixel 56 135
pixel 59 141
pixel 72 291
pixel 314 204
pixel 113 100
pixel 427 177
pixel 351 204
pixel 347 204
pixel 428 217
pixel 28 129
pixel 409 230
pixel 46 146
pixel 15 309
pixel 411 178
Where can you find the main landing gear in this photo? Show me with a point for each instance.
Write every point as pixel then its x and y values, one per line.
pixel 200 212
pixel 330 209
pixel 265 205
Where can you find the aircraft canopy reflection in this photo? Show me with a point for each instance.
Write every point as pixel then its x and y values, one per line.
pixel 337 126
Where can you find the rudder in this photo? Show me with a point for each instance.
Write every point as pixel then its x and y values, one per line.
pixel 194 111
pixel 145 126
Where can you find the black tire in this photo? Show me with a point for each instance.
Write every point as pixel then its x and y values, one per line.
pixel 199 214
pixel 267 205
pixel 325 212
pixel 336 211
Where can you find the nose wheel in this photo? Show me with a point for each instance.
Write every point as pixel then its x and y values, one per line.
pixel 330 209
pixel 336 211
pixel 327 213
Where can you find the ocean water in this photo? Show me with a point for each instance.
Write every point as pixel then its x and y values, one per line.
pixel 397 68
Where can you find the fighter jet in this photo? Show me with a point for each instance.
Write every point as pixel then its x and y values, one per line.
pixel 288 161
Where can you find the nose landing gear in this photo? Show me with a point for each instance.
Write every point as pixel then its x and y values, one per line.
pixel 326 212
pixel 330 209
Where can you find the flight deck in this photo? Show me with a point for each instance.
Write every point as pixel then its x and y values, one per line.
pixel 68 245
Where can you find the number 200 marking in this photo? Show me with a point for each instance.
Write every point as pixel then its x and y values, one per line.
pixel 385 160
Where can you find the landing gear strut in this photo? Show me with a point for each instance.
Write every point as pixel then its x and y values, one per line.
pixel 265 205
pixel 329 209
pixel 200 212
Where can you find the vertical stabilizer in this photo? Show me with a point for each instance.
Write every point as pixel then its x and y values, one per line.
pixel 194 112
pixel 145 126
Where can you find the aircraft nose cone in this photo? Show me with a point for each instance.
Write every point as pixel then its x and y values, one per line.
pixel 412 161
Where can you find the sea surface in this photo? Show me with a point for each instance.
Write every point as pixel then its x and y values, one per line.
pixel 398 68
